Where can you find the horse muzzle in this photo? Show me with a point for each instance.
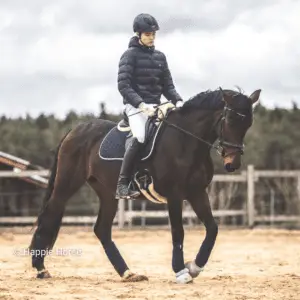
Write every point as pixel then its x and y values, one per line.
pixel 232 162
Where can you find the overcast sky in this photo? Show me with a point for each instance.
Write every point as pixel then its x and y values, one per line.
pixel 60 55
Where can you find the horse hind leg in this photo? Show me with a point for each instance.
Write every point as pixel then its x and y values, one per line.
pixel 103 231
pixel 66 179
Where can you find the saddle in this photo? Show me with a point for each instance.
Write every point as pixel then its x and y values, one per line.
pixel 114 145
pixel 115 142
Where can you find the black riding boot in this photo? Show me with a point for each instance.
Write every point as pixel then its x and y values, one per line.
pixel 123 190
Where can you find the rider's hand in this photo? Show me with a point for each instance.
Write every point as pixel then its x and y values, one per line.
pixel 147 109
pixel 164 108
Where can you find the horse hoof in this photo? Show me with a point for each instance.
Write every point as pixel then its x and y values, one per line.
pixel 184 277
pixel 131 277
pixel 43 274
pixel 136 278
pixel 194 270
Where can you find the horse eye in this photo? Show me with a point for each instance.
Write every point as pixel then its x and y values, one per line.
pixel 232 119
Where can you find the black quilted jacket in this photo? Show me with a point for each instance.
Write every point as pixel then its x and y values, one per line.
pixel 144 75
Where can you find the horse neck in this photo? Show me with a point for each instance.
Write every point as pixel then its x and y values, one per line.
pixel 181 150
pixel 200 123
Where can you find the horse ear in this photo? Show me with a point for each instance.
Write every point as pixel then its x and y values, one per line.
pixel 227 96
pixel 255 96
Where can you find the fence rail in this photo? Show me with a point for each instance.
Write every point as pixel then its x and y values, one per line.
pixel 121 218
pixel 19 173
pixel 125 216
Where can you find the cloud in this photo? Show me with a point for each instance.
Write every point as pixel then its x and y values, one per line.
pixel 62 55
pixel 115 17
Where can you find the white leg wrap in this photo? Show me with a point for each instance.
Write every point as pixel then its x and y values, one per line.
pixel 194 270
pixel 183 276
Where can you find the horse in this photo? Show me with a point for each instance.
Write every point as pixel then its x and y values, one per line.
pixel 175 166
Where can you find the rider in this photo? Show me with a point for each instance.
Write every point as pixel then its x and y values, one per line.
pixel 143 76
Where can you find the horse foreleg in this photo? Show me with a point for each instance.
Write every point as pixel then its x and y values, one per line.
pixel 200 204
pixel 175 214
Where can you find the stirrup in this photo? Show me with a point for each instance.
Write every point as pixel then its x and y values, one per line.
pixel 134 193
pixel 131 195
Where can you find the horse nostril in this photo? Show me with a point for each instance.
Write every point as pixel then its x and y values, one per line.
pixel 229 168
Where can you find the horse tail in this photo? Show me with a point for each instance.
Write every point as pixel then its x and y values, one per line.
pixel 51 180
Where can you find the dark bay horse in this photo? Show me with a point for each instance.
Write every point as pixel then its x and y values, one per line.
pixel 181 168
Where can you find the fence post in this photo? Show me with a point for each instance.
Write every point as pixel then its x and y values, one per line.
pixel 250 195
pixel 121 213
pixel 298 191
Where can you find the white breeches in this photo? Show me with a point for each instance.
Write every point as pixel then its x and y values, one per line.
pixel 137 122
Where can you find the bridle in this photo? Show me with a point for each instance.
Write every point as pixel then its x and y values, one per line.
pixel 222 142
pixel 221 121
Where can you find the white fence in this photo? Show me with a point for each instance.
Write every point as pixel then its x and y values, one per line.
pixel 248 212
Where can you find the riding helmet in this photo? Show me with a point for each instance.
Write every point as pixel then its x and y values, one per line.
pixel 145 23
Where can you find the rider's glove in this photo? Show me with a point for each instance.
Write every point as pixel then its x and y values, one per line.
pixel 147 109
pixel 163 109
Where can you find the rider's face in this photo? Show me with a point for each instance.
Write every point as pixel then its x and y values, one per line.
pixel 148 38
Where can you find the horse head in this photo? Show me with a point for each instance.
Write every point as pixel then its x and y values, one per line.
pixel 236 119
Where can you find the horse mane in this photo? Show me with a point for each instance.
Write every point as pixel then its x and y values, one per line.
pixel 205 100
pixel 210 100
